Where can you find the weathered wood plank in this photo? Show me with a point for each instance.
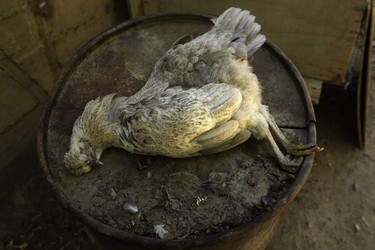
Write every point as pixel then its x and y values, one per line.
pixel 315 88
pixel 318 36
pixel 364 82
pixel 15 101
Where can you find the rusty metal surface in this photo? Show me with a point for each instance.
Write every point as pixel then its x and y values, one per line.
pixel 120 60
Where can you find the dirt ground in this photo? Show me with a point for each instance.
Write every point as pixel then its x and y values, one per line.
pixel 335 209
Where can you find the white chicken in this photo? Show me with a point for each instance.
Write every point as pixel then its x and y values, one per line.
pixel 201 98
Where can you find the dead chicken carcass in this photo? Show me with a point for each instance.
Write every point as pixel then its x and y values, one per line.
pixel 201 98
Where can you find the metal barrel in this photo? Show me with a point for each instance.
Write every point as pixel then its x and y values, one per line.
pixel 120 60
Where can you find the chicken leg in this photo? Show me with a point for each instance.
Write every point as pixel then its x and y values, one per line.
pixel 295 152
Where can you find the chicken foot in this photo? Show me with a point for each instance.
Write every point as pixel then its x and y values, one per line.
pixel 295 152
pixel 291 148
pixel 287 162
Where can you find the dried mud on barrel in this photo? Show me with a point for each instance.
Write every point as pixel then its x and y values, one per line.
pixel 178 198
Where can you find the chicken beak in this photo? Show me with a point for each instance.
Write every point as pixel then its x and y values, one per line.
pixel 98 163
pixel 94 159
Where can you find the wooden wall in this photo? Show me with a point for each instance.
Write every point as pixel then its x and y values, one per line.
pixel 37 39
pixel 318 35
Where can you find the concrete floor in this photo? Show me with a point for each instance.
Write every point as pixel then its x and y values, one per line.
pixel 335 209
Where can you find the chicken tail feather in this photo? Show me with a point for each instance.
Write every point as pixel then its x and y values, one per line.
pixel 244 28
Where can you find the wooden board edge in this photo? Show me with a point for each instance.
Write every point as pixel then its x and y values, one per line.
pixel 365 83
pixel 314 87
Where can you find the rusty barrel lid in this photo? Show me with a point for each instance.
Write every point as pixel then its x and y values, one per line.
pixel 120 60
